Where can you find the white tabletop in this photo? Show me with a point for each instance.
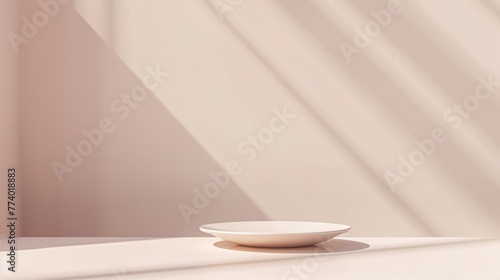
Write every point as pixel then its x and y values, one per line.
pixel 211 258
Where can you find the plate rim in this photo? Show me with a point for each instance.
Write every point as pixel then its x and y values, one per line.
pixel 210 231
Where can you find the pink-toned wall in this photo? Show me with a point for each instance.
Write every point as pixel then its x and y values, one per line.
pixel 9 109
pixel 230 67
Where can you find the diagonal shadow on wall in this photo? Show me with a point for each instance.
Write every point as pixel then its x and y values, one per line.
pixel 334 135
pixel 132 183
pixel 375 79
pixel 447 74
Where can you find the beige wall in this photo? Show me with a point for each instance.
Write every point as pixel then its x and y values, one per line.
pixel 227 75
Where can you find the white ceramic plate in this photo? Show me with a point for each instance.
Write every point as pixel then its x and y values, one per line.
pixel 275 233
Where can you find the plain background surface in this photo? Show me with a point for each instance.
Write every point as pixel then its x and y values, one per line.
pixel 227 74
pixel 9 106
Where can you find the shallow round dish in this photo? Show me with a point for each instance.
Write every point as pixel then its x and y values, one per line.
pixel 275 234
